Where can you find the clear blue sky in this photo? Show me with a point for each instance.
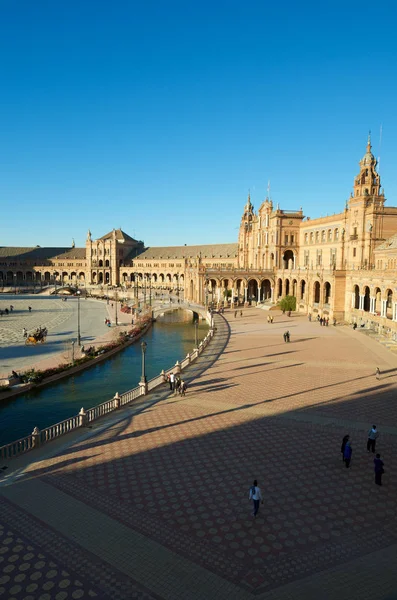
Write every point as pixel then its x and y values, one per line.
pixel 159 116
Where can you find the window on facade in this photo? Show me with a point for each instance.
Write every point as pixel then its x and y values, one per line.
pixel 330 235
pixel 311 237
pixel 292 239
pixel 355 231
pixel 317 237
pixel 336 234
pixel 323 236
pixel 354 251
pixel 319 258
pixel 306 238
pixel 286 239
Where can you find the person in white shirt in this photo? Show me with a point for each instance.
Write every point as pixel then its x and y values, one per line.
pixel 256 496
pixel 172 381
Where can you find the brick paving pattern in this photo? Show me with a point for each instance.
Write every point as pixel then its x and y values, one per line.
pixel 179 473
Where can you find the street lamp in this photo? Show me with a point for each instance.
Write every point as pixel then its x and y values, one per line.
pixel 78 318
pixel 143 376
pixel 196 333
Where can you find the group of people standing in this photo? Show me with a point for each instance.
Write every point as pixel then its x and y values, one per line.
pixel 347 451
pixel 177 384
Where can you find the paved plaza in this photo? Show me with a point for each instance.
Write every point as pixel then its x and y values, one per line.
pixel 153 502
pixel 60 318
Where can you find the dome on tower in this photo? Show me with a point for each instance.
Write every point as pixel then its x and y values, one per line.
pixel 368 158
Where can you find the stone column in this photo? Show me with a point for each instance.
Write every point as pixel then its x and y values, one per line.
pixel 353 299
pixel 372 304
pixel 259 293
pixel 383 308
pixel 272 294
pixel 394 311
pixel 361 305
pixel 245 293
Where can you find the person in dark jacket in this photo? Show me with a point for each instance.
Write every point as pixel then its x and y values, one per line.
pixel 347 454
pixel 379 470
pixel 342 448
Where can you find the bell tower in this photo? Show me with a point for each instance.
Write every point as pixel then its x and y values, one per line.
pixel 367 182
pixel 364 214
pixel 245 235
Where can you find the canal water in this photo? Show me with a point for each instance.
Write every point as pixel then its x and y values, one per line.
pixel 167 341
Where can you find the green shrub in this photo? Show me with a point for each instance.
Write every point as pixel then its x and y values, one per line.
pixel 288 303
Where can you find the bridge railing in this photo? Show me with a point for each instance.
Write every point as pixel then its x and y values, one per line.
pixel 39 437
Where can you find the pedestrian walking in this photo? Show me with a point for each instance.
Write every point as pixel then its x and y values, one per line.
pixel 288 336
pixel 371 442
pixel 268 318
pixel 347 454
pixel 183 388
pixel 241 313
pixel 379 470
pixel 285 336
pixel 29 309
pixel 271 320
pixel 289 313
pixel 177 385
pixel 172 381
pixel 25 332
pixel 321 321
pixel 256 496
pixel 235 313
pixel 342 448
pixel 377 373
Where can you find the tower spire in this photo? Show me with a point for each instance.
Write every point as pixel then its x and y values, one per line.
pixel 369 142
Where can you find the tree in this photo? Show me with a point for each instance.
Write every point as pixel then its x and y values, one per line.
pixel 288 303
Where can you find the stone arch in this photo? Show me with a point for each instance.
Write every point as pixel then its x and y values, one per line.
pixel 367 301
pixel 389 303
pixel 125 277
pixel 294 288
pixel 94 277
pixel 327 292
pixel 73 276
pixel 82 276
pixel 10 276
pixel 287 287
pixel 100 277
pixel 47 276
pixel 107 264
pixel 107 277
pixel 316 292
pixel 19 276
pixel 191 289
pixel 288 259
pixel 253 286
pixel 279 288
pixel 302 287
pixel 29 276
pixel 100 264
pixel 266 289
pixel 378 301
pixel 356 292
pixel 65 276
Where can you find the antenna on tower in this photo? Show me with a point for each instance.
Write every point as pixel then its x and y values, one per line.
pixel 268 189
pixel 380 144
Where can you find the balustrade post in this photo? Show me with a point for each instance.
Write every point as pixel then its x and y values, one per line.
pixel 117 400
pixel 177 367
pixel 36 438
pixel 188 358
pixel 82 418
pixel 163 376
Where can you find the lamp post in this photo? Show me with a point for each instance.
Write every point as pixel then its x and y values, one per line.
pixel 78 318
pixel 143 376
pixel 15 282
pixel 73 352
pixel 196 333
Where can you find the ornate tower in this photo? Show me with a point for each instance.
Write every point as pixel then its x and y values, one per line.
pixel 246 235
pixel 364 222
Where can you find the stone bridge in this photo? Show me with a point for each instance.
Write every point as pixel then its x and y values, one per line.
pixel 170 306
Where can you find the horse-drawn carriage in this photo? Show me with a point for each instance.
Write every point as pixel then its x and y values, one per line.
pixel 37 337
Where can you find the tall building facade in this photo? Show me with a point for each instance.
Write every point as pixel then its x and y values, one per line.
pixel 341 266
